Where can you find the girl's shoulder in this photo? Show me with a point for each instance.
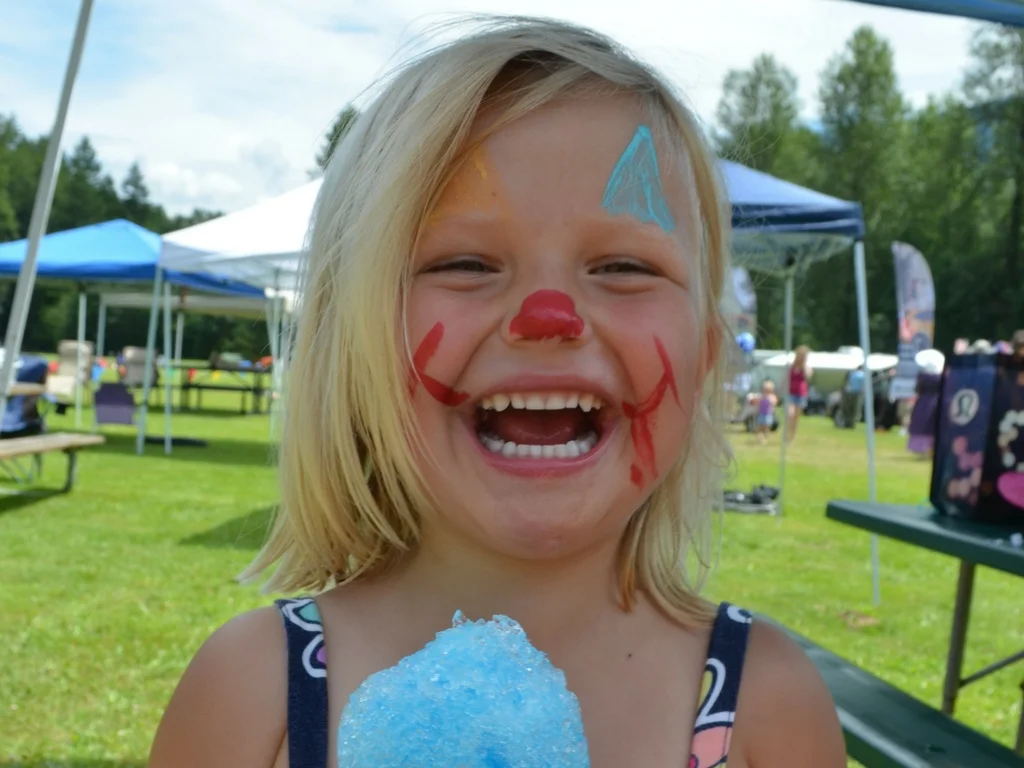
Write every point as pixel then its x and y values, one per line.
pixel 785 714
pixel 230 708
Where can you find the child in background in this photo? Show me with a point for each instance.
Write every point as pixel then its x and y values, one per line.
pixel 766 411
pixel 505 398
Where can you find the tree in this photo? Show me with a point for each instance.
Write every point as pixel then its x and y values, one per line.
pixel 341 125
pixel 863 117
pixel 757 112
pixel 84 194
pixel 994 86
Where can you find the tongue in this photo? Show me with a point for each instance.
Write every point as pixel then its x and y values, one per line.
pixel 537 427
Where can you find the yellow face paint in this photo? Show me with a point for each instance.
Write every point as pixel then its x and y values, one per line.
pixel 471 189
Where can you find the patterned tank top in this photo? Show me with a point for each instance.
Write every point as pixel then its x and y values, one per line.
pixel 308 721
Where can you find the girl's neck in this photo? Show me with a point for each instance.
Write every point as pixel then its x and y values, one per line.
pixel 556 601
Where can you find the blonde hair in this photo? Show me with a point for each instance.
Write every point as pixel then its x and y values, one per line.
pixel 351 490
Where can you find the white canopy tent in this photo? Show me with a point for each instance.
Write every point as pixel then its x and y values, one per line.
pixel 260 245
pixel 222 306
pixel 277 307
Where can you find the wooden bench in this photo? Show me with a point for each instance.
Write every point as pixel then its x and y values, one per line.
pixel 887 728
pixel 35 446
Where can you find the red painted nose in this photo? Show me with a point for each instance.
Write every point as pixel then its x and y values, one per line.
pixel 547 315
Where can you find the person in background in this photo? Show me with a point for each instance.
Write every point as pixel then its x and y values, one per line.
pixel 766 411
pixel 853 400
pixel 799 385
pixel 1017 343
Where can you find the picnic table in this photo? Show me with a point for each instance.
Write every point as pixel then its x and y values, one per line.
pixel 248 382
pixel 26 389
pixel 972 543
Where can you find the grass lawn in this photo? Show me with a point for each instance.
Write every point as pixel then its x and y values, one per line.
pixel 107 592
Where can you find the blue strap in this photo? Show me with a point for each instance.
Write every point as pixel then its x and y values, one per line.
pixel 307 683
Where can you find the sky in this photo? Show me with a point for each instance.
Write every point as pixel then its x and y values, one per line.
pixel 225 102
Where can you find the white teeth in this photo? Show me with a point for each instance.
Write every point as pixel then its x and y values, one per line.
pixel 555 402
pixel 570 450
pixel 541 401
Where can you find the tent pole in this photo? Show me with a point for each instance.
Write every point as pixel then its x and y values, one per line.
pixel 147 374
pixel 101 327
pixel 179 338
pixel 79 360
pixel 860 275
pixel 101 334
pixel 787 342
pixel 168 368
pixel 40 212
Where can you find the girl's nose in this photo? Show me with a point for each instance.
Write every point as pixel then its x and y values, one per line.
pixel 546 314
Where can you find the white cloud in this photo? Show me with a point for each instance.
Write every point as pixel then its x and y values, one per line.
pixel 224 102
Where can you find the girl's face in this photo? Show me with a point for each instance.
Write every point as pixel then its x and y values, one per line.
pixel 555 331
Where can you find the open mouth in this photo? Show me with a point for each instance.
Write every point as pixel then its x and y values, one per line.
pixel 541 425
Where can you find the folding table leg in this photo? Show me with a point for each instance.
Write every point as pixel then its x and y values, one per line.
pixel 69 481
pixel 958 636
pixel 1019 746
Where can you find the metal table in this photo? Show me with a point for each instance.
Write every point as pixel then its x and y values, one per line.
pixel 973 544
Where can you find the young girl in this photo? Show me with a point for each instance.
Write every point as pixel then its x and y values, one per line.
pixel 766 410
pixel 505 400
pixel 800 374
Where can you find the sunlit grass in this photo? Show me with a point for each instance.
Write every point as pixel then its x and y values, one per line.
pixel 106 593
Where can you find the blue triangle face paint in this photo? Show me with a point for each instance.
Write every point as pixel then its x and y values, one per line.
pixel 634 188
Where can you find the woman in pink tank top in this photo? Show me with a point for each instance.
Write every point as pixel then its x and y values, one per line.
pixel 799 381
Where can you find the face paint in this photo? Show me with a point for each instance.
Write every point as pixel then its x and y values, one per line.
pixel 470 189
pixel 547 315
pixel 634 188
pixel 440 392
pixel 641 417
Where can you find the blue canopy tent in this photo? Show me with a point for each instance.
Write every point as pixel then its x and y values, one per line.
pixel 1009 12
pixel 782 227
pixel 115 252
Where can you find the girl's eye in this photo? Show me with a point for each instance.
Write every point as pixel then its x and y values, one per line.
pixel 465 264
pixel 624 267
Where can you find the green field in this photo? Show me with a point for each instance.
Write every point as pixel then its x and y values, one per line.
pixel 107 592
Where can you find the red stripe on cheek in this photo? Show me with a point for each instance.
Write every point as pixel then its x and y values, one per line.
pixel 667 365
pixel 636 476
pixel 420 358
pixel 641 416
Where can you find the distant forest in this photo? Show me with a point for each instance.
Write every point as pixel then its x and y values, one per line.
pixel 947 178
